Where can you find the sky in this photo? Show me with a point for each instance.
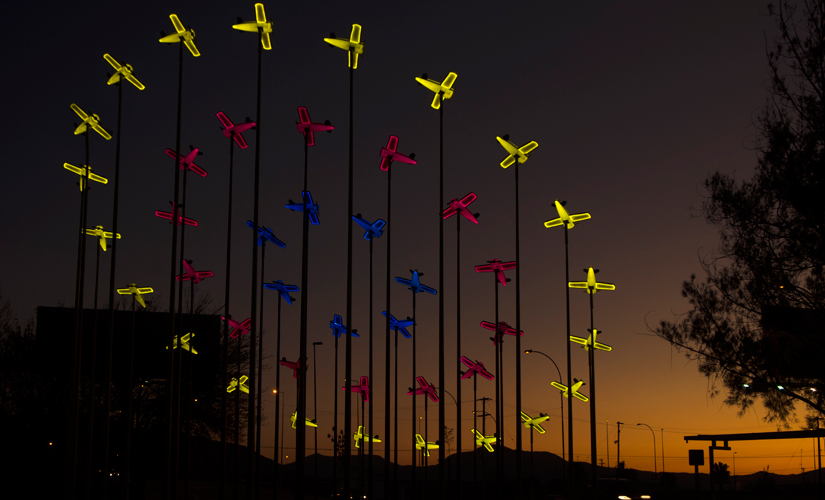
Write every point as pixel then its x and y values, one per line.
pixel 632 104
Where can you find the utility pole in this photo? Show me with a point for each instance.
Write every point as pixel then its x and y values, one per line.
pixel 618 447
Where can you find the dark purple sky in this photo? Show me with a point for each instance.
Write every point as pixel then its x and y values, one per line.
pixel 632 106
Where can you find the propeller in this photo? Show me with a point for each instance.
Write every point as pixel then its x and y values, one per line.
pixel 506 137
pixel 424 76
pixel 239 20
pixel 412 156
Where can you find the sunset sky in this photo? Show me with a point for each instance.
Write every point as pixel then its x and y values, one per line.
pixel 632 104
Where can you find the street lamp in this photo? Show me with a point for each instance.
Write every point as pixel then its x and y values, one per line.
pixel 654 452
pixel 561 400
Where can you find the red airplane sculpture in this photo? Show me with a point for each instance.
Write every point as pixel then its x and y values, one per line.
pixel 425 388
pixel 389 154
pixel 176 217
pixel 476 368
pixel 363 388
pixel 503 328
pixel 295 366
pixel 235 131
pixel 460 206
pixel 242 328
pixel 191 274
pixel 498 267
pixel 188 161
pixel 308 128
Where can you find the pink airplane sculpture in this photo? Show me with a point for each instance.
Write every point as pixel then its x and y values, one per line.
pixel 476 368
pixel 503 328
pixel 191 274
pixel 363 388
pixel 389 154
pixel 176 217
pixel 308 128
pixel 295 366
pixel 425 388
pixel 188 161
pixel 457 206
pixel 235 131
pixel 242 328
pixel 498 267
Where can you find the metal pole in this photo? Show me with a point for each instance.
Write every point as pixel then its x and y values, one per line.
pixel 92 385
pixel 655 472
pixel 348 340
pixel 520 486
pixel 189 394
pixel 458 346
pixel 441 416
pixel 414 476
pixel 127 466
pixel 277 402
pixel 336 451
pixel 572 468
pixel 224 398
pixel 591 357
pixel 300 436
pixel 315 411
pixel 496 340
pixel 387 442
pixel 260 375
pixel 371 431
pixel 561 400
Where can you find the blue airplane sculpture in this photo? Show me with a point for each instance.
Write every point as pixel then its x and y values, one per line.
pixel 400 326
pixel 312 208
pixel 415 283
pixel 374 230
pixel 338 327
pixel 284 290
pixel 265 234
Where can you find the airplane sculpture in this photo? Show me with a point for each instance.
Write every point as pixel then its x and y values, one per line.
pixel 415 283
pixel 284 290
pixel 234 384
pixel 575 389
pixel 363 388
pixel 374 230
pixel 261 25
pixel 266 234
pixel 235 131
pixel 312 208
pixel 338 327
pixel 359 436
pixel 514 152
pixel 294 417
pixel 181 34
pixel 102 235
pixel 188 161
pixel 400 326
pixel 443 90
pixel 485 441
pixel 308 128
pixel 424 446
pixel 590 341
pixel 191 274
pixel 82 172
pixel 476 368
pixel 457 206
pixel 176 217
pixel 425 389
pixel 503 329
pixel 184 343
pixel 534 423
pixel 89 121
pixel 498 267
pixel 242 327
pixel 295 366
pixel 564 218
pixel 353 46
pixel 136 293
pixel 591 285
pixel 390 154
pixel 122 71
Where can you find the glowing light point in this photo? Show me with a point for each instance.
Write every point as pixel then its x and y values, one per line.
pixel 312 208
pixel 89 121
pixel 308 128
pixel 136 293
pixel 564 218
pixel 235 383
pixel 235 131
pixel 400 326
pixel 353 46
pixel 261 25
pixel 534 423
pixel 575 389
pixel 498 267
pixel 374 230
pixel 589 342
pixel 443 90
pixel 591 285
pixel 187 36
pixel 338 327
pixel 122 71
pixel 284 290
pixel 187 162
pixel 514 152
pixel 308 423
pixel 424 446
pixel 457 206
pixel 360 436
pixel 414 284
pixel 363 388
pixel 184 344
pixel 102 235
pixel 482 440
pixel 390 154
pixel 425 389
pixel 266 234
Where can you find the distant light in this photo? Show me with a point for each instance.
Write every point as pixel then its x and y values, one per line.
pixel 274 391
pixel 780 387
pixel 645 497
pixel 813 389
pixel 50 444
pixel 746 385
pixel 781 286
pixel 196 400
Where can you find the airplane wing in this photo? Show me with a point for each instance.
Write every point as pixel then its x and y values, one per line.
pixel 225 121
pixel 488 325
pixel 145 290
pixel 449 211
pixel 577 284
pixel 205 274
pixel 559 386
pixel 355 36
pixel 467 361
pixel 603 347
pixel 468 199
pixel 243 127
pixel 553 223
pixel 509 146
pixel 190 44
pixel 82 114
pixel 72 168
pixel 450 80
pixel 539 428
pixel 422 382
pixel 190 222
pixel 506 266
pixel 527 148
pixel 198 170
pixel 430 84
pixel 239 140
pixel 98 178
pixel 579 217
pixel 425 288
pixel 111 60
pixel 484 373
pixel 378 226
pixel 525 417
pixel 580 396
pixel 605 286
pixel 102 131
pixel 578 340
pixel 361 222
pixel 403 281
pixel 260 15
pixel 419 441
pixel 436 104
pixel 176 23
pixel 163 215
pixel 486 268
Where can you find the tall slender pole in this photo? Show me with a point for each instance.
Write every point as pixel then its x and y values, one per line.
pixel 497 340
pixel 315 417
pixel 260 375
pixel 178 380
pixel 336 452
pixel 475 446
pixel 277 463
pixel 348 341
pixel 225 365
pixel 167 475
pixel 458 346
pixel 89 465
pixel 441 380
pixel 371 430
pixel 387 442
pixel 127 465
pixel 414 405
pixel 112 268
pixel 591 357
pixel 571 468
pixel 300 435
pixel 655 472
pixel 189 393
pixel 520 486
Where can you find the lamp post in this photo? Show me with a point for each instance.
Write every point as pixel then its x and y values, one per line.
pixel 561 401
pixel 315 405
pixel 654 452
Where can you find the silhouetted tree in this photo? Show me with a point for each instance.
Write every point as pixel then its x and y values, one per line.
pixel 761 305
pixel 721 473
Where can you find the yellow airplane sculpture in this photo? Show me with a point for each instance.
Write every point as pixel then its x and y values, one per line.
pixel 534 423
pixel 359 435
pixel 136 293
pixel 184 344
pixel 89 121
pixel 591 341
pixel 353 46
pixel 309 423
pixel 234 383
pixel 181 33
pixel 514 152
pixel 591 285
pixel 122 71
pixel 102 235
pixel 443 90
pixel 565 219
pixel 576 393
pixel 486 441
pixel 261 25
pixel 81 171
pixel 424 446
